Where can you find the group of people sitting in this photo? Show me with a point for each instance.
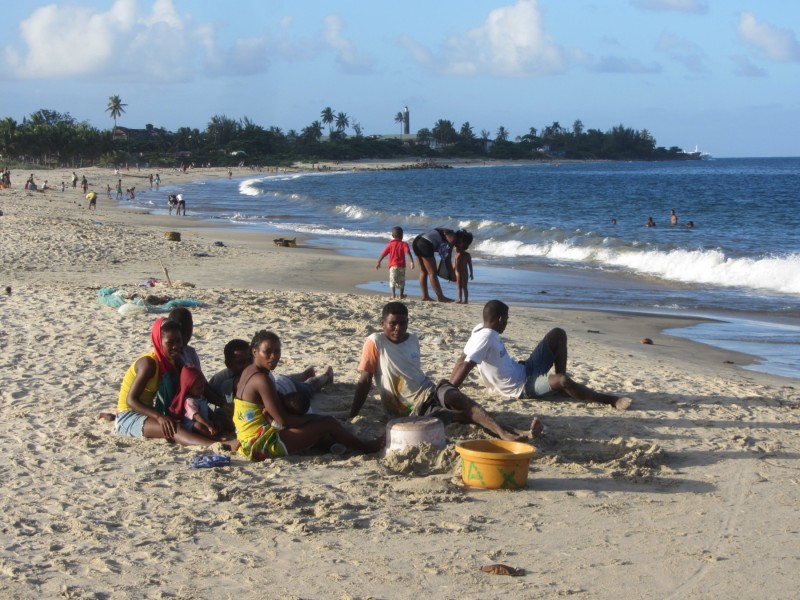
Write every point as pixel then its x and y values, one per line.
pixel 260 414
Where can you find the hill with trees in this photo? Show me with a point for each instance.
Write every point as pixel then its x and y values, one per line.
pixel 50 138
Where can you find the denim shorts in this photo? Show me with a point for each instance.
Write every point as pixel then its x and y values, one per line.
pixel 537 368
pixel 130 423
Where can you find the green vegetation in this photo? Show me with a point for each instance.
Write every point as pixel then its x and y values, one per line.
pixel 49 138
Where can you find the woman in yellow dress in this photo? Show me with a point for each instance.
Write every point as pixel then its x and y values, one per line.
pixel 264 428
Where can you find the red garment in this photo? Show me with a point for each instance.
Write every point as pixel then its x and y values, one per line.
pixel 189 376
pixel 164 364
pixel 397 250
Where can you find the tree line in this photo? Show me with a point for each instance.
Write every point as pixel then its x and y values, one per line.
pixel 51 138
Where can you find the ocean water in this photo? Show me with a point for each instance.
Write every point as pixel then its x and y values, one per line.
pixel 544 234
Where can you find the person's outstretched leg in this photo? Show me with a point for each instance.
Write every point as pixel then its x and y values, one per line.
pixel 320 381
pixel 466 410
pixel 302 438
pixel 559 381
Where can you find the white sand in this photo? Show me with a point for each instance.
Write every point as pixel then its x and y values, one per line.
pixel 691 494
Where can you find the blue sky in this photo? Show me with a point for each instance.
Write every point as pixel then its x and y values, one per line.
pixel 721 75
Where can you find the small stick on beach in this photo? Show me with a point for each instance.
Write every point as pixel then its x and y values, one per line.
pixel 166 273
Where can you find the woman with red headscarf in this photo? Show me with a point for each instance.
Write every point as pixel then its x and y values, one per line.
pixel 149 386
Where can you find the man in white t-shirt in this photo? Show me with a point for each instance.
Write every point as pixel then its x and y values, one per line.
pixel 526 379
pixel 392 357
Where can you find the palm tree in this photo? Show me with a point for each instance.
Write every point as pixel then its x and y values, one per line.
pixel 398 118
pixel 443 132
pixel 502 134
pixel 312 133
pixel 115 108
pixel 342 122
pixel 327 117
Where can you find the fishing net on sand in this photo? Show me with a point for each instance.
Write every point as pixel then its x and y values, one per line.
pixel 128 303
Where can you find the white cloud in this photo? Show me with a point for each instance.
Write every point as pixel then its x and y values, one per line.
pixel 511 42
pixel 775 43
pixel 73 41
pixel 68 42
pixel 690 6
pixel 351 60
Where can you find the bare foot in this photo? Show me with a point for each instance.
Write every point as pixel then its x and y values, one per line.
pixel 104 416
pixel 537 429
pixel 623 403
pixel 231 446
pixel 427 299
pixel 445 299
pixel 328 374
pixel 309 373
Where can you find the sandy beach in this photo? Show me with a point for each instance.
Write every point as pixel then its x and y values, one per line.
pixel 690 494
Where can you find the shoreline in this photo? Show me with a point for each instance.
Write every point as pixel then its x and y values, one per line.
pixel 266 266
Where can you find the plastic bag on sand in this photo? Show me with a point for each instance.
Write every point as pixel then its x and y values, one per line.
pixel 130 309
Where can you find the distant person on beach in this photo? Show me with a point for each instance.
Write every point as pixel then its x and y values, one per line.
pixel 613 221
pixel 84 184
pixel 158 180
pixel 462 264
pixel 148 388
pixel 689 224
pixel 74 180
pixel 92 198
pixel 526 379
pixel 673 218
pixel 119 189
pixel 426 246
pixel 264 428
pixel 650 222
pixel 181 205
pixel 396 250
pixel 392 358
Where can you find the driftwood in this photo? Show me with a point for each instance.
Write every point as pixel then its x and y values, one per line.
pixel 285 243
pixel 166 273
pixel 172 236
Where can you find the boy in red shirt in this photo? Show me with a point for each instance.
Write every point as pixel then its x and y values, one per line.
pixel 397 250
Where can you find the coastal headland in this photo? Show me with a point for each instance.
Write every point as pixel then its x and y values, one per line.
pixel 691 493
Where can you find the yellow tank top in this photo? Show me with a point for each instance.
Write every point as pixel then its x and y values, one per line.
pixel 150 389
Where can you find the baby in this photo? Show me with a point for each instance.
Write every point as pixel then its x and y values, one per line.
pixel 190 405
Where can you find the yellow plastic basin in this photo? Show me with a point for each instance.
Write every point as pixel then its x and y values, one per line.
pixel 495 464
